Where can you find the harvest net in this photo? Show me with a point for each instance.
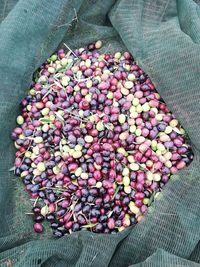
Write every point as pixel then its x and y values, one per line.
pixel 163 36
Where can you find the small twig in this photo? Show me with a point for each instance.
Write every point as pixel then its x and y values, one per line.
pixel 74 216
pixel 54 189
pixel 76 16
pixel 35 202
pixel 59 200
pixel 31 138
pixel 70 50
pixel 48 92
pixel 108 48
pixel 58 74
pixel 76 116
pixel 83 216
pixel 63 25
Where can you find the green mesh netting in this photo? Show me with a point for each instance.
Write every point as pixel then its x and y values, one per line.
pixel 164 37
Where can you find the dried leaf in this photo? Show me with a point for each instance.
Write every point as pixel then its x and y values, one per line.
pixel 75 182
pixel 110 213
pixel 58 84
pixel 59 117
pixel 98 91
pixel 61 228
pixel 48 92
pixel 175 129
pixel 60 147
pixel 12 169
pixel 74 217
pixel 44 210
pixel 132 152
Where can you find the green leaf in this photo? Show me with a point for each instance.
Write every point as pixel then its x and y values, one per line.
pixel 89 225
pixel 116 191
pixel 141 166
pixel 109 126
pixel 152 198
pixel 69 65
pixel 43 120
